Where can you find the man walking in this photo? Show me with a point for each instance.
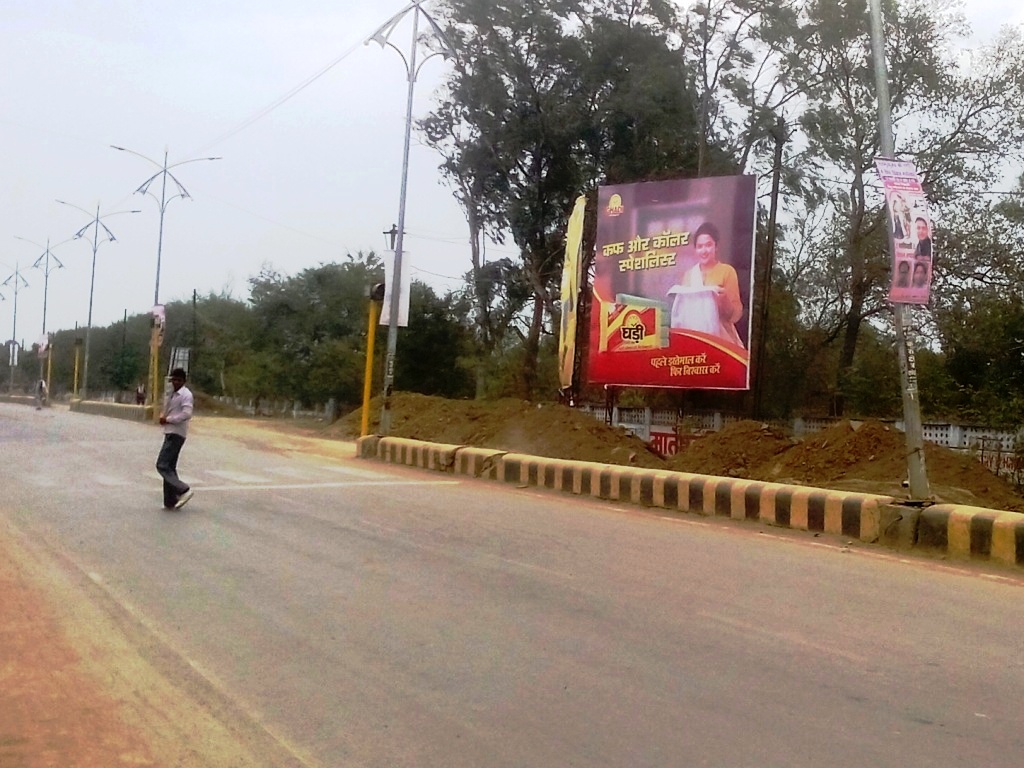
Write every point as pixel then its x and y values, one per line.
pixel 174 418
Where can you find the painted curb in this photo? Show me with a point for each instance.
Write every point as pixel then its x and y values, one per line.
pixel 417 453
pixel 857 515
pixel 785 506
pixel 973 533
pixel 961 532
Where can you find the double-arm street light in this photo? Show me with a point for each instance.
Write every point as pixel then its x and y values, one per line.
pixel 14 282
pixel 95 226
pixel 383 37
pixel 163 200
pixel 43 263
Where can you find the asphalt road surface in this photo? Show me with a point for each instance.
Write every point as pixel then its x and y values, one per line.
pixel 366 615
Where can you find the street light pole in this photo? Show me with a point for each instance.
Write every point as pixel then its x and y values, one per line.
pixel 43 263
pixel 382 36
pixel 94 225
pixel 917 477
pixel 163 201
pixel 15 281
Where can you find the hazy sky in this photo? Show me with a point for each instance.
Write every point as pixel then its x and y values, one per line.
pixel 312 180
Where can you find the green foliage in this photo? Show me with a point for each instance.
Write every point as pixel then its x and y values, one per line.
pixel 431 350
pixel 550 98
pixel 300 338
pixel 546 100
pixel 984 341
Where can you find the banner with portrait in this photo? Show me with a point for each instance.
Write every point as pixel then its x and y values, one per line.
pixel 910 232
pixel 673 280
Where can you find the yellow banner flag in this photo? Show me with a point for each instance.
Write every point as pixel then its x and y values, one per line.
pixel 570 292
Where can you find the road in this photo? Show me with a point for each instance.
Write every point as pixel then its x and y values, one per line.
pixel 356 614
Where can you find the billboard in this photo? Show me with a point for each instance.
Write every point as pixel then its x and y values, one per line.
pixel 673 280
pixel 910 232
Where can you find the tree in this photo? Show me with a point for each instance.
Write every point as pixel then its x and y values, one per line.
pixel 849 254
pixel 548 99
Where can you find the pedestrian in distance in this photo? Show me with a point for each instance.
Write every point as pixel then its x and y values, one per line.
pixel 40 393
pixel 177 412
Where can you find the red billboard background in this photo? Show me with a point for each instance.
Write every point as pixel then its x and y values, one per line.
pixel 673 282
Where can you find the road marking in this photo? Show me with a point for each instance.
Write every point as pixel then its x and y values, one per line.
pixel 792 638
pixel 110 481
pixel 351 471
pixel 237 477
pixel 314 486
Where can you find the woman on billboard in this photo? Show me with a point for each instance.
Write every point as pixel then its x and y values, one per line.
pixel 708 297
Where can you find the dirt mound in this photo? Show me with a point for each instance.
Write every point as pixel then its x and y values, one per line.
pixel 872 457
pixel 835 452
pixel 540 429
pixel 736 451
pixel 863 456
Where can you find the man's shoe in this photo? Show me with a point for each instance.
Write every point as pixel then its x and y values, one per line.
pixel 183 499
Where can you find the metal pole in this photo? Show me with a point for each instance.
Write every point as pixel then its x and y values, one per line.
pixel 371 337
pixel 46 282
pixel 153 394
pixel 917 476
pixel 396 273
pixel 46 291
pixel 14 326
pixel 43 262
pixel 92 286
pixel 160 234
pixel 154 341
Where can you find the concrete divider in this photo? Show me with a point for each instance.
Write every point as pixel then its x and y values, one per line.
pixel 113 410
pixel 477 462
pixel 366 447
pixel 973 533
pixel 18 399
pixel 417 453
pixel 788 506
pixel 960 532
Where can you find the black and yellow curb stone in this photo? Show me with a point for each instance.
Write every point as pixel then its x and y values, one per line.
pixel 959 532
pixel 973 533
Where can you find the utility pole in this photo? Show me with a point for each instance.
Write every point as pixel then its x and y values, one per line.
pixel 382 36
pixel 780 135
pixel 917 475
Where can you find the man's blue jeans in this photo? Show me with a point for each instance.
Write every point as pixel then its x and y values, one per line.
pixel 167 466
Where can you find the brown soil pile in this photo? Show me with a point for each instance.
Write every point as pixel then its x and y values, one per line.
pixel 863 456
pixel 738 450
pixel 540 429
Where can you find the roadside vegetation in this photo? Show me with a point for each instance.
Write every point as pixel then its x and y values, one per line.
pixel 551 98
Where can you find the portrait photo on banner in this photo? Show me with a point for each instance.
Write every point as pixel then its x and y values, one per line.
pixel 673 283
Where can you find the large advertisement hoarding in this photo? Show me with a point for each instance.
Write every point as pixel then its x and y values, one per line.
pixel 673 280
pixel 910 232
